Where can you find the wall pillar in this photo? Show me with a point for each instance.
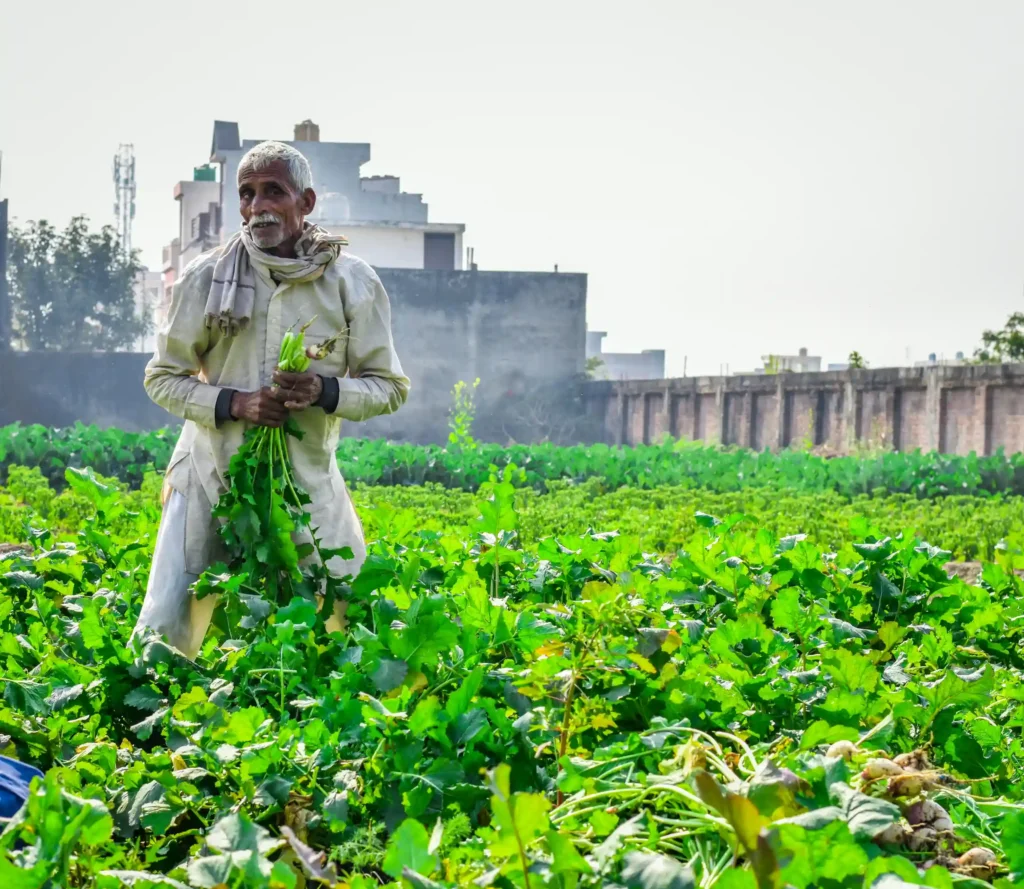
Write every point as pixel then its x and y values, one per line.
pixel 720 408
pixel 849 416
pixel 621 433
pixel 933 408
pixel 983 411
pixel 781 413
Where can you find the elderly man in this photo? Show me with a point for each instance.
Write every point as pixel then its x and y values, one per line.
pixel 215 367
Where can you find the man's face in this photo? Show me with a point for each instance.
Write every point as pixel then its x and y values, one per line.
pixel 273 208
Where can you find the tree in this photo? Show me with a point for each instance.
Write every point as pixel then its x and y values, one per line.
pixel 72 290
pixel 1003 346
pixel 856 361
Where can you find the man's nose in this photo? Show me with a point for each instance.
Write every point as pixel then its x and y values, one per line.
pixel 258 204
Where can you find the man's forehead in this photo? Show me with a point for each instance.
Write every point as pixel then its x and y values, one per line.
pixel 275 171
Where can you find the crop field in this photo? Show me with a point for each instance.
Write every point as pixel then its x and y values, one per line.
pixel 661 667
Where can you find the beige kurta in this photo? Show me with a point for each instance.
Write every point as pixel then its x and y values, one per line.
pixel 193 363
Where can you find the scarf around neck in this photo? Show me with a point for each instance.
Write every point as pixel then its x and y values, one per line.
pixel 232 293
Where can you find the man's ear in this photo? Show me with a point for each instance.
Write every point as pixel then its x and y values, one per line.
pixel 308 201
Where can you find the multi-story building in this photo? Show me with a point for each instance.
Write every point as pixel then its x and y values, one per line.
pixel 385 226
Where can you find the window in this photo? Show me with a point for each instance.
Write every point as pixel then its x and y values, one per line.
pixel 438 251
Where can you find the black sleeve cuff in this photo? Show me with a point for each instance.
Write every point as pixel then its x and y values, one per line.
pixel 329 395
pixel 222 412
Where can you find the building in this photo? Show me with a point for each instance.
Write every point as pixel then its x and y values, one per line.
pixel 385 226
pixel 169 269
pixel 799 363
pixel 199 214
pixel 149 301
pixel 646 365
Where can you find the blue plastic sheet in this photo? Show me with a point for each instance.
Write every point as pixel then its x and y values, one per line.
pixel 15 778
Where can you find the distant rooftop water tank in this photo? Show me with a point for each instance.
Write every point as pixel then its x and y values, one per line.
pixel 205 173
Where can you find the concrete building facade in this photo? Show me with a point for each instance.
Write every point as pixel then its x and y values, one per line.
pixel 520 333
pixel 646 365
pixel 385 226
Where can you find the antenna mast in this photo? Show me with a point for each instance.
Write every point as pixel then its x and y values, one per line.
pixel 124 194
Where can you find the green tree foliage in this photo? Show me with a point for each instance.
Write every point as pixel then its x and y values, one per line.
pixel 1003 346
pixel 594 368
pixel 72 290
pixel 856 361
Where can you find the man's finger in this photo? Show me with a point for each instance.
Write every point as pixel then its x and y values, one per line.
pixel 281 395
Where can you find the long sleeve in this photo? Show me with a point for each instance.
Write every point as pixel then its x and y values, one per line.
pixel 172 373
pixel 375 383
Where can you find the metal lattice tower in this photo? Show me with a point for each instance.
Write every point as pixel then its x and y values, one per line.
pixel 124 193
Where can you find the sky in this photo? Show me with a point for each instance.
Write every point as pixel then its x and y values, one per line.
pixel 736 178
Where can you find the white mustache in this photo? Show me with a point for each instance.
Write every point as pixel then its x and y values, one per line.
pixel 270 218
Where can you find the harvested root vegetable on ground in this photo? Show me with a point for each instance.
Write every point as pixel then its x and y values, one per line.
pixel 928 813
pixel 842 750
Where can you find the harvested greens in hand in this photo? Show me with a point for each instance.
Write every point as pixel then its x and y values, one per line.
pixel 263 513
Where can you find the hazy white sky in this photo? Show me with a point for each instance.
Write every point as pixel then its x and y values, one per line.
pixel 736 178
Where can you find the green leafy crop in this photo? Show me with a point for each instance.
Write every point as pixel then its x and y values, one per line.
pixel 510 707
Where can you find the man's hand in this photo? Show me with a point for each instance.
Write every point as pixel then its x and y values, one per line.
pixel 298 391
pixel 263 407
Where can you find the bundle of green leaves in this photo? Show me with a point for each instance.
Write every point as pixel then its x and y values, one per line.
pixel 274 554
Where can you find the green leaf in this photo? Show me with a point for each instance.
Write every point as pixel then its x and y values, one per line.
pixel 865 815
pixel 237 833
pixel 789 614
pixel 851 672
pixel 890 865
pixel 389 674
pixel 740 812
pixel 299 611
pixel 145 698
pixel 648 870
pixel 519 818
pixel 469 726
pixel 91 628
pixel 939 878
pixel 954 690
pixel 819 733
pixel 460 699
pixel 734 878
pixel 831 851
pixel 425 716
pixel 565 857
pixel 61 697
pixel 242 726
pixel 533 632
pixel 409 848
pixel 1013 841
pixel 26 696
pixel 985 732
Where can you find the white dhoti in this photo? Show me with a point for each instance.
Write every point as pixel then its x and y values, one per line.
pixel 171 607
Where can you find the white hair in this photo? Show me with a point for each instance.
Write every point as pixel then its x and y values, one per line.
pixel 261 156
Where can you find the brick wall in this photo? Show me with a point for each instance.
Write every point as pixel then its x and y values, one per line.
pixel 953 409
